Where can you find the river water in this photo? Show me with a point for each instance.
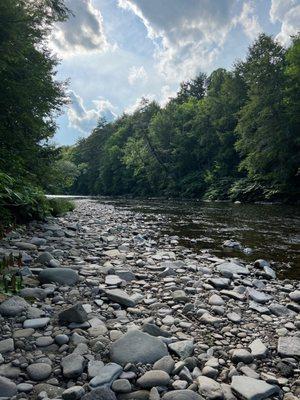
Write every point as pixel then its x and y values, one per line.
pixel 271 231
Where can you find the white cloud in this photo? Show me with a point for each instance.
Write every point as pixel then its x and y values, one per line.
pixel 188 34
pixel 82 32
pixel 288 13
pixel 137 74
pixel 249 20
pixel 133 107
pixel 85 120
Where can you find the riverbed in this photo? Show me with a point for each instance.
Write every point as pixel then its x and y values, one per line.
pixel 271 231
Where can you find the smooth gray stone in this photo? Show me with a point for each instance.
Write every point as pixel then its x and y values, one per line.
pixel 24 387
pixel 259 308
pixel 44 258
pixel 258 349
pixel 94 368
pixel 38 241
pixel 220 283
pixel 126 275
pixel 106 375
pixel 258 297
pixel 39 371
pixel 268 272
pixel 73 393
pixel 36 293
pixel 36 323
pixel 137 347
pixel 154 330
pixel 13 306
pixel 25 246
pixel 183 348
pixel 7 387
pixel 75 313
pixel 280 310
pixel 229 269
pixel 61 276
pixel 72 365
pixel 289 346
pixel 252 389
pixel 165 364
pixel 100 394
pixel 6 346
pixel 154 378
pixel 121 386
pixel 182 395
pixel 295 296
pixel 209 388
pixel 242 355
pixel 121 297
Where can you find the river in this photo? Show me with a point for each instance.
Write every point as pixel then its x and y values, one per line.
pixel 271 231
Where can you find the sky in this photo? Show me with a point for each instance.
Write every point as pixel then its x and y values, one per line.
pixel 114 52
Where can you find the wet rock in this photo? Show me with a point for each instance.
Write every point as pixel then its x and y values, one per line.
pixel 252 389
pixel 13 306
pixel 137 347
pixel 153 378
pixel 61 276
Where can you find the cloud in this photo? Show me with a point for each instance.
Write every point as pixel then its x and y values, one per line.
pixel 288 13
pixel 188 35
pixel 82 32
pixel 249 20
pixel 85 120
pixel 133 107
pixel 137 74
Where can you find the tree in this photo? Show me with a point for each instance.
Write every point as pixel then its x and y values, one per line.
pixel 30 96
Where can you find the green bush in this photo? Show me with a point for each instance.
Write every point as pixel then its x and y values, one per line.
pixel 59 206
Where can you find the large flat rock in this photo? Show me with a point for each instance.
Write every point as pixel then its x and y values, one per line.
pixel 289 346
pixel 252 389
pixel 62 276
pixel 121 297
pixel 137 347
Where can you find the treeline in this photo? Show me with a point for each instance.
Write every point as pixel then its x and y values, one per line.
pixel 231 135
pixel 30 99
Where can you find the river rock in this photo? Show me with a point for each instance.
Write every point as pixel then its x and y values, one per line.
pixel 165 364
pixel 153 378
pixel 44 258
pixel 258 297
pixel 61 276
pixel 121 297
pixel 252 389
pixel 36 323
pixel 100 394
pixel 137 347
pixel 72 365
pixel 229 269
pixel 289 346
pixel 121 386
pixel 73 314
pixel 295 296
pixel 36 293
pixel 6 346
pixel 183 348
pixel 242 355
pixel 106 375
pixel 13 306
pixel 182 395
pixel 209 388
pixel 7 387
pixel 258 349
pixel 73 393
pixel 39 371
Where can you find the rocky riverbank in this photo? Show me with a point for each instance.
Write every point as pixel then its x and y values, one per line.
pixel 112 310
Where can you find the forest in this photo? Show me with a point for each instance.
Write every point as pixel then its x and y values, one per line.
pixel 230 135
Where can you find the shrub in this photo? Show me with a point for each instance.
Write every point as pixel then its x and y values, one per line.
pixel 59 206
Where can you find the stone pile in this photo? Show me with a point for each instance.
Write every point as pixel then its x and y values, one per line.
pixel 113 310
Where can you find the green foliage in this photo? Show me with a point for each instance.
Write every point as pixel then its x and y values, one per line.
pixel 231 135
pixel 11 280
pixel 60 206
